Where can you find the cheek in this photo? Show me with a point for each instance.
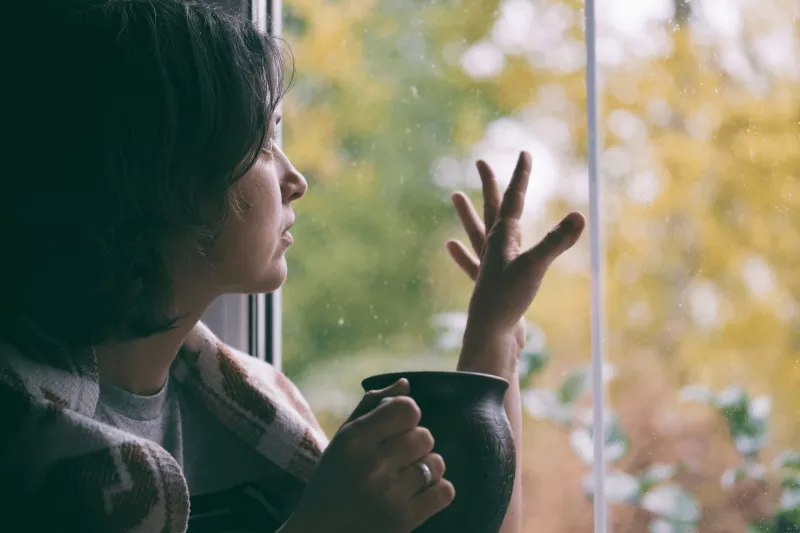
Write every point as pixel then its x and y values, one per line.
pixel 247 253
pixel 263 210
pixel 259 228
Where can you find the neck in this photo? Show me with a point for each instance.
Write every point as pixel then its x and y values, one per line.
pixel 141 366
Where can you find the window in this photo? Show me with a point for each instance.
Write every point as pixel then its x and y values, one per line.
pixel 700 103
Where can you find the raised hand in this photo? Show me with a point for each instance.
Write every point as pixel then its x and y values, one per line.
pixel 368 479
pixel 506 277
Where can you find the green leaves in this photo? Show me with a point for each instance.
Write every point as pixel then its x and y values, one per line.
pixel 543 404
pixel 659 525
pixel 559 406
pixel 675 510
pixel 579 382
pixel 746 470
pixel 534 357
pixel 790 499
pixel 673 504
pixel 575 385
pixel 620 487
pixel 782 523
pixel 657 474
pixel 616 442
pixel 765 526
pixel 789 459
pixel 747 418
pixel 790 496
pixel 788 463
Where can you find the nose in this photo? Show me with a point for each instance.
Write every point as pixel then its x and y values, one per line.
pixel 294 185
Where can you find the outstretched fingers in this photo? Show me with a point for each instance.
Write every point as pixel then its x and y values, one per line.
pixel 558 241
pixel 465 259
pixel 506 237
pixel 491 194
pixel 514 197
pixel 472 223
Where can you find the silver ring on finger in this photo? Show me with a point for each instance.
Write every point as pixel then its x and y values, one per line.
pixel 427 476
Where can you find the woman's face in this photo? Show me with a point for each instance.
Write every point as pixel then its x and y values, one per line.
pixel 249 254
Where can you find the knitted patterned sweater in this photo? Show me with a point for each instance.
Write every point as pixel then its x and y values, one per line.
pixel 60 470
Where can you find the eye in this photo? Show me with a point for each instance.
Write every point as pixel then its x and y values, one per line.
pixel 272 136
pixel 269 144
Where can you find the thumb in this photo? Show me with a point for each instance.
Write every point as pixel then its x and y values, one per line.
pixel 559 240
pixel 373 398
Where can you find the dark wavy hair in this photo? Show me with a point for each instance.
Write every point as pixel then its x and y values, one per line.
pixel 127 123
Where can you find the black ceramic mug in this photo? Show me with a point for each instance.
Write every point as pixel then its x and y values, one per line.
pixel 465 413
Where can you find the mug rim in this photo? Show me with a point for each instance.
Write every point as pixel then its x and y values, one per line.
pixel 392 377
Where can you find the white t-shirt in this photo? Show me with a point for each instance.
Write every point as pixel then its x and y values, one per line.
pixel 220 469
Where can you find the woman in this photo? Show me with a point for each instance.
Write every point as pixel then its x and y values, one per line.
pixel 145 183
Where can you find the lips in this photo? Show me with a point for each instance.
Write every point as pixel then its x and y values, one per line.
pixel 289 225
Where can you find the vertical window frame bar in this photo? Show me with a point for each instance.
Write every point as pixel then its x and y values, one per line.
pixel 596 271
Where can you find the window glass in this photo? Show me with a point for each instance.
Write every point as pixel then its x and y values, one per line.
pixel 393 102
pixel 702 175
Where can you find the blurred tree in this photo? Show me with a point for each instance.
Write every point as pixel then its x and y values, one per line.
pixel 375 104
pixel 701 171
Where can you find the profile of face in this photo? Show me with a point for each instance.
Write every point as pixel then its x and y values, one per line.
pixel 249 254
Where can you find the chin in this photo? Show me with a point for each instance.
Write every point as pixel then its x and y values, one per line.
pixel 273 280
pixel 249 279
